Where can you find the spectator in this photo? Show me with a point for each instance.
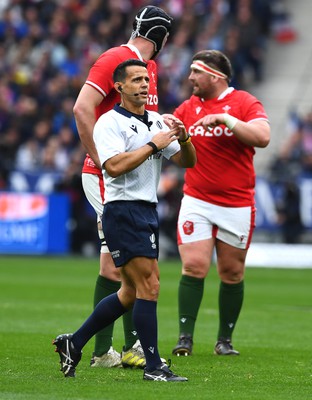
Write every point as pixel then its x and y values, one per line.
pixel 288 210
pixel 9 142
pixel 295 156
pixel 299 145
pixel 64 117
pixel 29 155
pixel 251 42
pixel 293 162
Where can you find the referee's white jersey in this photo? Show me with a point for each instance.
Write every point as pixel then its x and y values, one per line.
pixel 119 131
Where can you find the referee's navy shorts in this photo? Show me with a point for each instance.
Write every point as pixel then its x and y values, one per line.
pixel 131 229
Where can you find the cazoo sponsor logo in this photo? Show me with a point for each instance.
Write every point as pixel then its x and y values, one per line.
pixel 216 131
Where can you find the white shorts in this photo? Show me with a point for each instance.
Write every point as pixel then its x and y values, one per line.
pixel 93 187
pixel 199 220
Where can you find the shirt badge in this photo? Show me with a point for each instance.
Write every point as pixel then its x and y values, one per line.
pixel 134 128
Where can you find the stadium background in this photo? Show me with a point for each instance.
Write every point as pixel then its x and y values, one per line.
pixel 47 48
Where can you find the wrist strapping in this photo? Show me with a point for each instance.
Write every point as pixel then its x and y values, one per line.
pixel 153 146
pixel 185 141
pixel 230 121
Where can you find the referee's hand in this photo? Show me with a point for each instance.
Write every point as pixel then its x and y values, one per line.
pixel 163 139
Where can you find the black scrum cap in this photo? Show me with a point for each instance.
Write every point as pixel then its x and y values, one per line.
pixel 153 24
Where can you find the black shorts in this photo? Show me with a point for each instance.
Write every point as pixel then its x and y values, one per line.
pixel 131 229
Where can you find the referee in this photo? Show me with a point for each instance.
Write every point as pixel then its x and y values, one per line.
pixel 131 143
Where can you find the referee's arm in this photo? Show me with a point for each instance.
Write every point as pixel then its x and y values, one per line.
pixel 125 162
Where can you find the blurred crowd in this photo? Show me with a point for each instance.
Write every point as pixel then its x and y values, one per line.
pixel 295 155
pixel 292 164
pixel 46 50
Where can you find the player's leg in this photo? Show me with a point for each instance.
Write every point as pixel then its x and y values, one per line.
pixel 195 247
pixel 144 274
pixel 69 346
pixel 118 218
pixel 235 228
pixel 196 259
pixel 104 354
pixel 108 280
pixel 231 266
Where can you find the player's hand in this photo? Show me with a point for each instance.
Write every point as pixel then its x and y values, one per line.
pixel 210 121
pixel 168 120
pixel 182 131
pixel 174 122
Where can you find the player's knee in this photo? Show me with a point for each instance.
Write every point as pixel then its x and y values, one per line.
pixel 196 269
pixel 149 289
pixel 231 275
pixel 155 286
pixel 127 296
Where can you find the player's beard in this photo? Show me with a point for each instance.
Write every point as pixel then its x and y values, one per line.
pixel 197 91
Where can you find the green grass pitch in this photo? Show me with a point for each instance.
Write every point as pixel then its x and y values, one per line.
pixel 43 297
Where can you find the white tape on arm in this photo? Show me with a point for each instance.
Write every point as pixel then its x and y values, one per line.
pixel 230 121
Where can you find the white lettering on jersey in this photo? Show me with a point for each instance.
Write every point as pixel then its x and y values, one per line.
pixel 152 99
pixel 216 131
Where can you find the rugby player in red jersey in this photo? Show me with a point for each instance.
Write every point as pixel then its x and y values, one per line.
pixel 218 208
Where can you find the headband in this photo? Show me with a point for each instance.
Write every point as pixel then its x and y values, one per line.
pixel 200 65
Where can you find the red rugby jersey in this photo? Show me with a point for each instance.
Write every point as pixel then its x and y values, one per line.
pixel 224 174
pixel 101 78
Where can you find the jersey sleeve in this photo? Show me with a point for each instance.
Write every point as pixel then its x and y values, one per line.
pixel 101 73
pixel 179 112
pixel 183 112
pixel 252 109
pixel 172 149
pixel 158 121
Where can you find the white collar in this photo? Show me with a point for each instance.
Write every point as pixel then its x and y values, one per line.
pixel 226 92
pixel 134 49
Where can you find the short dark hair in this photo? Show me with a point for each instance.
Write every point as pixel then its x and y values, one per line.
pixel 120 72
pixel 216 59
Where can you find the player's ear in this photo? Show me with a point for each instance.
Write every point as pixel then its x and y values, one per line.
pixel 118 86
